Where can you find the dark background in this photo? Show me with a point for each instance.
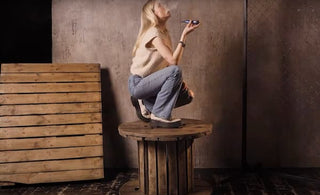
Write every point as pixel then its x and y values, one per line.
pixel 25 35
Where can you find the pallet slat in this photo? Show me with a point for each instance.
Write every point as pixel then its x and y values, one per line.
pixel 43 131
pixel 172 168
pixel 49 87
pixel 190 165
pixel 48 77
pixel 182 167
pixel 16 121
pixel 50 154
pixel 162 168
pixel 50 68
pixel 49 98
pixel 55 165
pixel 59 176
pixel 152 169
pixel 50 142
pixel 142 166
pixel 49 109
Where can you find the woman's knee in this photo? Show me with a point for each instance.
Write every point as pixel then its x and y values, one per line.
pixel 175 70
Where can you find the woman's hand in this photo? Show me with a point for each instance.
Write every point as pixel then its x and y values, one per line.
pixel 189 28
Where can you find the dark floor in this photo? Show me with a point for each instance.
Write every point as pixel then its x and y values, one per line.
pixel 223 182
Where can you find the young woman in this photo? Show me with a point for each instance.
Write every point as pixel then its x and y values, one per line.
pixel 156 84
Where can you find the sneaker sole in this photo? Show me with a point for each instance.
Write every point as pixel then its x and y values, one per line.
pixel 138 112
pixel 159 124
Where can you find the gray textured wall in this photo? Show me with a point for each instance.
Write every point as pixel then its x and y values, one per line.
pixel 283 83
pixel 283 90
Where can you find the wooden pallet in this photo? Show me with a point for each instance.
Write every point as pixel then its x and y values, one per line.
pixel 50 123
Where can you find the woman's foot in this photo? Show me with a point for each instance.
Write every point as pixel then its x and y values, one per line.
pixel 157 122
pixel 141 111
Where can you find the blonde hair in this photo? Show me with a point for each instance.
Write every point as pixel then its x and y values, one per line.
pixel 148 20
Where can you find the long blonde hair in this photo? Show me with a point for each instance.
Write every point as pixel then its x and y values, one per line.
pixel 148 20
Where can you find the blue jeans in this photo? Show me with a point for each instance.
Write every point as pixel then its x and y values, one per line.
pixel 160 90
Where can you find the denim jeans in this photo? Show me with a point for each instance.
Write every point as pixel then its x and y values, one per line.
pixel 160 90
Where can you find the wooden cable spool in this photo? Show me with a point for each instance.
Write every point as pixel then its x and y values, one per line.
pixel 165 158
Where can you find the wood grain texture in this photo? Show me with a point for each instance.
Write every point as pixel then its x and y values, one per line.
pixel 182 167
pixel 49 131
pixel 50 154
pixel 162 168
pixel 50 142
pixel 48 77
pixel 49 98
pixel 190 165
pixel 50 123
pixel 152 169
pixel 50 87
pixel 191 129
pixel 173 168
pixel 56 67
pixel 168 165
pixel 49 108
pixel 16 121
pixel 142 168
pixel 54 165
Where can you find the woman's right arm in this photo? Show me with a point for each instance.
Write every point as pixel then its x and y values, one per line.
pixel 164 50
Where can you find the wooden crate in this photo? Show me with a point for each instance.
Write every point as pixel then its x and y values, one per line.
pixel 50 123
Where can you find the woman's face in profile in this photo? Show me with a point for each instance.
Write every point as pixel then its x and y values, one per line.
pixel 161 10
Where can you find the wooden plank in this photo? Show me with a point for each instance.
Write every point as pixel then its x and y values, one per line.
pixel 59 176
pixel 142 168
pixel 44 131
pixel 172 166
pixel 50 154
pixel 48 77
pixel 16 121
pixel 152 168
pixel 182 166
pixel 49 87
pixel 50 142
pixel 190 165
pixel 55 165
pixel 162 168
pixel 49 98
pixel 46 67
pixel 6 184
pixel 49 109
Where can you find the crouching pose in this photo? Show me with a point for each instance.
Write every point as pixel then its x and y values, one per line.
pixel 155 84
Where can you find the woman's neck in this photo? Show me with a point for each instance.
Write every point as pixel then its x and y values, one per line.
pixel 162 26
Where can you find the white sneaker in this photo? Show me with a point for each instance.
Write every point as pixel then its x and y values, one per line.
pixel 157 122
pixel 145 113
pixel 141 111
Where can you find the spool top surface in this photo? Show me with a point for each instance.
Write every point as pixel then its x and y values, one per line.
pixel 190 129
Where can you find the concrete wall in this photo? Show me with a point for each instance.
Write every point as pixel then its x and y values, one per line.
pixel 284 87
pixel 283 90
